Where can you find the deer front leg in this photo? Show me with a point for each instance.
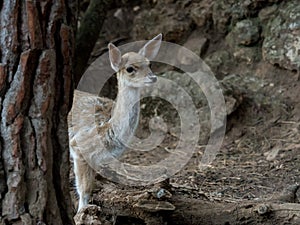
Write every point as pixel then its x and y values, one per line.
pixel 84 176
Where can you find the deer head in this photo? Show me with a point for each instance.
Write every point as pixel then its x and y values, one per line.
pixel 133 69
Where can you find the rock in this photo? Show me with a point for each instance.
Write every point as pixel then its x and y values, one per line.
pixel 221 16
pixel 231 104
pixel 220 61
pixel 186 82
pixel 196 43
pixel 237 85
pixel 282 37
pixel 226 13
pixel 116 25
pixel 245 32
pixel 247 54
pixel 267 13
pixel 242 40
pixel 174 25
pixel 248 87
pixel 201 12
pixel 161 193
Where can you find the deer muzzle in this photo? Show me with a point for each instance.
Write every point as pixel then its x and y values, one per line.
pixel 151 78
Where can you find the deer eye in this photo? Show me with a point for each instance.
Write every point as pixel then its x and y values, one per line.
pixel 130 69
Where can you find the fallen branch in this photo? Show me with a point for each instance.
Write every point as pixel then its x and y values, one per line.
pixel 156 206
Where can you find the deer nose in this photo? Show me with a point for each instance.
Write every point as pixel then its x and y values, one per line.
pixel 152 77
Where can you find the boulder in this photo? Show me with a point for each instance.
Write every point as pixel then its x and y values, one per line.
pixel 226 13
pixel 281 45
pixel 201 12
pixel 245 32
pixel 174 25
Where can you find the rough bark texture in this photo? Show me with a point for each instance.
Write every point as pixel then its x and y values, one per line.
pixel 37 41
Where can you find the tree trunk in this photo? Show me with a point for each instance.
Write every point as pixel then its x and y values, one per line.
pixel 37 42
pixel 88 34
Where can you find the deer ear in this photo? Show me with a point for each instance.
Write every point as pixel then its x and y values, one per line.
pixel 114 57
pixel 151 48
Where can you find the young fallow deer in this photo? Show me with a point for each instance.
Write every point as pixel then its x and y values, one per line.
pixel 116 122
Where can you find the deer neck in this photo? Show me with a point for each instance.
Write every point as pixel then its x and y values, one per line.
pixel 125 114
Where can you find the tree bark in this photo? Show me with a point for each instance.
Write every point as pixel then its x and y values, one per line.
pixel 88 34
pixel 37 42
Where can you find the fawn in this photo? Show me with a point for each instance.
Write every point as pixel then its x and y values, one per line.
pixel 117 120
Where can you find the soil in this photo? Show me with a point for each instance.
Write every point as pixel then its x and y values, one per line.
pixel 259 157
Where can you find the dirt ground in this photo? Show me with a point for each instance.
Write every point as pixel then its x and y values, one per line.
pixel 260 153
pixel 259 156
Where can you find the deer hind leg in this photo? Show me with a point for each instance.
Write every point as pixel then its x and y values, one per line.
pixel 84 176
